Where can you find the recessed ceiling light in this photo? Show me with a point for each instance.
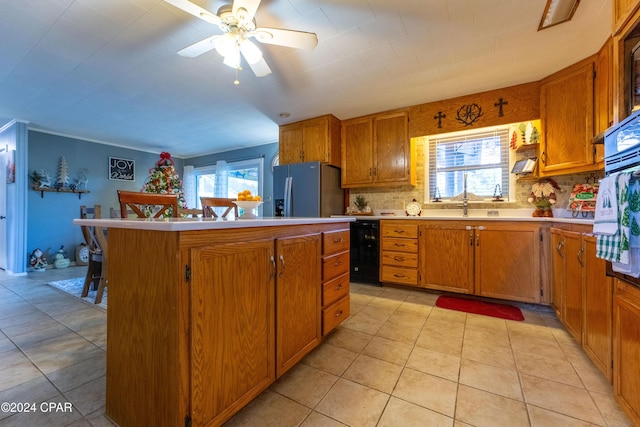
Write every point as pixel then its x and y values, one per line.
pixel 557 12
pixel 284 115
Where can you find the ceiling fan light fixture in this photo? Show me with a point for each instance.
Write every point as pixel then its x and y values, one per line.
pixel 250 51
pixel 232 60
pixel 226 45
pixel 557 12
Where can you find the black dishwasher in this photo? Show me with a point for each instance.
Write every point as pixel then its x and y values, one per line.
pixel 365 254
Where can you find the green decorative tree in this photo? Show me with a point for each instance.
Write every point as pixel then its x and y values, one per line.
pixel 163 179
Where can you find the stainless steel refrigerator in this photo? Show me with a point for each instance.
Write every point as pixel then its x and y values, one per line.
pixel 309 189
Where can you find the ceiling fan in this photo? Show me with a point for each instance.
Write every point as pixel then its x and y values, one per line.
pixel 237 23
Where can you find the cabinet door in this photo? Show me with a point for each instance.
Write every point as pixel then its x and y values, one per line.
pixel 357 152
pixel 598 294
pixel 446 257
pixel 566 110
pixel 507 265
pixel 392 150
pixel 572 295
pixel 298 288
pixel 232 347
pixel 291 143
pixel 626 319
pixel 603 113
pixel 557 270
pixel 315 135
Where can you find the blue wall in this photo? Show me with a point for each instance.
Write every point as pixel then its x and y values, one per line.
pixel 50 218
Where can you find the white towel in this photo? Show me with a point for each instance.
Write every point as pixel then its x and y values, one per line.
pixel 633 267
pixel 606 215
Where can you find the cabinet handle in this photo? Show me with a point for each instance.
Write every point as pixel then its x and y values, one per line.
pixel 282 264
pixel 580 252
pixel 337 263
pixel 543 157
pixel 337 288
pixel 339 313
pixel 370 171
pixel 560 248
pixel 338 240
pixel 399 276
pixel 398 258
pixel 471 239
pixel 398 231
pixel 477 239
pixel 273 263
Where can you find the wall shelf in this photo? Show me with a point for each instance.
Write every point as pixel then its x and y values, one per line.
pixel 59 190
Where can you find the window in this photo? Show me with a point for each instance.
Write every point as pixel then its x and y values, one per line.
pixel 228 179
pixel 482 156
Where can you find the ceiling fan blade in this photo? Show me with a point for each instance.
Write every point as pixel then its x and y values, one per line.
pixel 260 68
pixel 288 38
pixel 249 5
pixel 199 48
pixel 195 10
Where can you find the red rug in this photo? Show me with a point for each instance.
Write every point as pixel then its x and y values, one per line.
pixel 501 311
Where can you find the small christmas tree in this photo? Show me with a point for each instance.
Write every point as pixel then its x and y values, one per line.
pixel 63 174
pixel 163 179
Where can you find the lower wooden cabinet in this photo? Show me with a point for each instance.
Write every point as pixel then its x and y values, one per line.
pixel 626 318
pixel 399 252
pixel 490 259
pixel 582 293
pixel 335 279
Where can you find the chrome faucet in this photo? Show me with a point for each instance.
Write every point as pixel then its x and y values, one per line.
pixel 465 197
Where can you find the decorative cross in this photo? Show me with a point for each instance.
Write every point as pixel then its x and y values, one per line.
pixel 439 118
pixel 501 102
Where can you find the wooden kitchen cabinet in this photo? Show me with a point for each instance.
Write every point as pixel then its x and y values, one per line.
pixel 335 278
pixel 567 119
pixel 622 11
pixel 297 299
pixel 496 260
pixel 376 151
pixel 626 318
pixel 582 293
pixel 311 140
pixel 399 252
pixel 202 321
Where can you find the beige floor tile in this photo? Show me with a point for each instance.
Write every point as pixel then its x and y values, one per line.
pixel 374 373
pixel 428 391
pixel 59 352
pixel 354 307
pixel 400 333
pixel 612 413
pixel 73 376
pixel 483 409
pixel 83 319
pixel 491 355
pixel 541 417
pixel 526 344
pixel 28 334
pixel 522 329
pixel 440 340
pixel 305 384
pixel 353 404
pixel 385 349
pixel 270 409
pixel 410 320
pixel 444 314
pixel 44 418
pixel 500 381
pixel 561 398
pixel 385 303
pixel 363 322
pixel 348 339
pixel 16 369
pixel 415 307
pixel 486 322
pixel 497 338
pixel 592 378
pixel 551 368
pixel 405 414
pixel 434 362
pixel 316 419
pixel 88 397
pixel 359 298
pixel 334 360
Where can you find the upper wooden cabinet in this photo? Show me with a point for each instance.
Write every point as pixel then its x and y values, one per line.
pixel 376 151
pixel 603 101
pixel 313 140
pixel 622 11
pixel 567 112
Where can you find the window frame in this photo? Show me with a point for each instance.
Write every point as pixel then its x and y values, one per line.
pixel 231 165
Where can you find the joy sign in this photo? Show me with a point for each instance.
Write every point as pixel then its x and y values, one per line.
pixel 122 169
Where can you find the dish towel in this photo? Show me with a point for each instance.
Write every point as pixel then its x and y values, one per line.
pixel 633 267
pixel 615 247
pixel 606 215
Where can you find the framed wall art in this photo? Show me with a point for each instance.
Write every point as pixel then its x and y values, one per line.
pixel 122 169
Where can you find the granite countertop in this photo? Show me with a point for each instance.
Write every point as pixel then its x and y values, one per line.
pixel 524 215
pixel 191 224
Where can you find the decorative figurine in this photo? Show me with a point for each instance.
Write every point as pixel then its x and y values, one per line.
pixel 37 260
pixel 60 260
pixel 543 197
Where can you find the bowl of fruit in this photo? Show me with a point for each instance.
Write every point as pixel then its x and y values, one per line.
pixel 248 203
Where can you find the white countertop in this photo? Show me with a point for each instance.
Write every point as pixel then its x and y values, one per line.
pixel 560 215
pixel 190 224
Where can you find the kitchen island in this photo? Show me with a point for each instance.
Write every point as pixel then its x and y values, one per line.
pixel 204 315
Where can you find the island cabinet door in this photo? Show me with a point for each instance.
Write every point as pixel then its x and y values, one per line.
pixel 298 291
pixel 446 257
pixel 232 328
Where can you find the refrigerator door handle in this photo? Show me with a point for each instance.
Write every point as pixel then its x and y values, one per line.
pixel 287 196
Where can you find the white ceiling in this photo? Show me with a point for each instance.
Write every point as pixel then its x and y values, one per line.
pixel 107 70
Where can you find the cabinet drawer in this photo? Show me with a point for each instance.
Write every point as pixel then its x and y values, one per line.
pixel 335 289
pixel 399 230
pixel 403 276
pixel 400 259
pixel 333 315
pixel 335 265
pixel 400 245
pixel 335 241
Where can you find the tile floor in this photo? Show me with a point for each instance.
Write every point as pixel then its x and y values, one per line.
pixel 397 361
